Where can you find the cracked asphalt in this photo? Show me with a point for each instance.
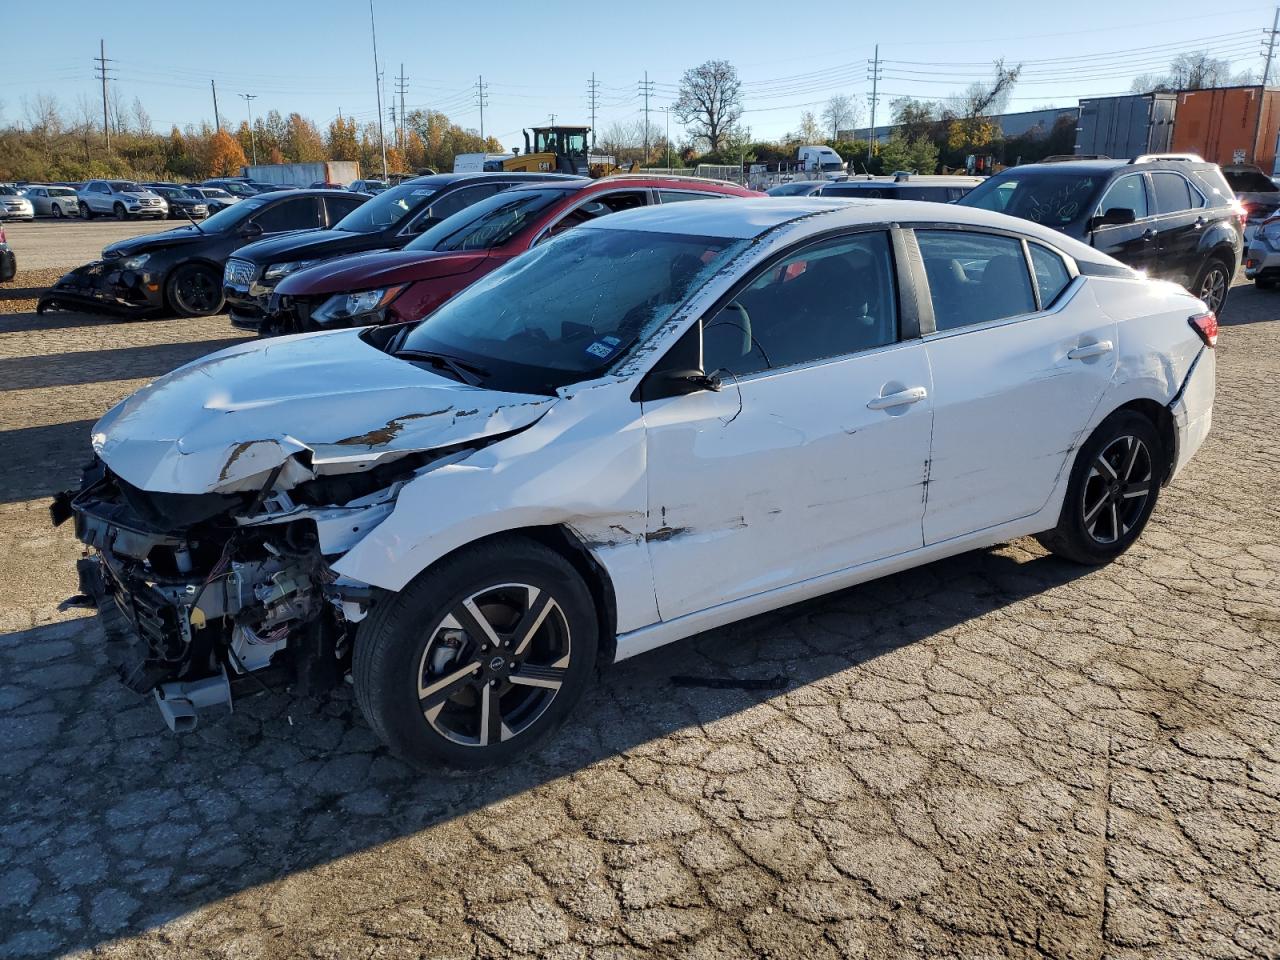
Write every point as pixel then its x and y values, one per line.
pixel 999 755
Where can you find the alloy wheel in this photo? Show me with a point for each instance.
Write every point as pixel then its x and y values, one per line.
pixel 1213 288
pixel 494 664
pixel 196 292
pixel 1116 489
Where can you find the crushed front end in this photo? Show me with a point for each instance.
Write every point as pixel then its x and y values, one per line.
pixel 197 591
pixel 119 286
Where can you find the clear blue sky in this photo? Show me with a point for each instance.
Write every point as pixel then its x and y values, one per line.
pixel 316 56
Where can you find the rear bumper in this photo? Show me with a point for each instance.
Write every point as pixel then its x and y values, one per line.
pixel 1260 260
pixel 1192 410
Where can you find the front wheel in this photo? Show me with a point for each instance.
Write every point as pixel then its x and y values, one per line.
pixel 1114 485
pixel 85 211
pixel 57 212
pixel 194 291
pixel 1212 285
pixel 120 212
pixel 479 658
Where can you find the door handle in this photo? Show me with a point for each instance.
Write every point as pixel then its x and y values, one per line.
pixel 910 395
pixel 1090 350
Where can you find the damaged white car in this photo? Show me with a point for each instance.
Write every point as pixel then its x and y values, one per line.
pixel 658 423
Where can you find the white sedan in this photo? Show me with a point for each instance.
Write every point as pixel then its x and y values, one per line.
pixel 660 422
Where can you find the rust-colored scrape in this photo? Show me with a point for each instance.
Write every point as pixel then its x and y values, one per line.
pixel 389 431
pixel 236 453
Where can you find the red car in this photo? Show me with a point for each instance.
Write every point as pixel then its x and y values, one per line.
pixel 407 284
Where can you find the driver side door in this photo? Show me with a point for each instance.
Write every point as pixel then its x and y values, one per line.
pixel 811 457
pixel 1133 244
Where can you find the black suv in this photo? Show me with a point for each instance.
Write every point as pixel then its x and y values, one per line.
pixel 387 222
pixel 1171 216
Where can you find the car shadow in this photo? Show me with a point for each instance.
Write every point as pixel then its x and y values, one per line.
pixel 99 366
pixel 32 322
pixel 1247 304
pixel 285 783
pixel 41 461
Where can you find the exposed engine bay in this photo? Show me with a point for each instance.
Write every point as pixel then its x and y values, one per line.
pixel 198 591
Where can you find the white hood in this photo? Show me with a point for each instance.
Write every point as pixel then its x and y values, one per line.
pixel 317 404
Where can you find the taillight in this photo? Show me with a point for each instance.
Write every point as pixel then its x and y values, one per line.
pixel 1205 324
pixel 1241 211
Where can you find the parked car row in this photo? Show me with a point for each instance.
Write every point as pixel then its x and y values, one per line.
pixel 612 427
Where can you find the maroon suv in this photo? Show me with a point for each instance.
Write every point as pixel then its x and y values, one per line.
pixel 408 284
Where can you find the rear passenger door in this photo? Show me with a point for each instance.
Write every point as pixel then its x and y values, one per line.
pixel 338 207
pixel 1019 360
pixel 1179 224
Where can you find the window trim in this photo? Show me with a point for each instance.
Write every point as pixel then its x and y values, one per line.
pixel 1064 296
pixel 651 200
pixel 1150 192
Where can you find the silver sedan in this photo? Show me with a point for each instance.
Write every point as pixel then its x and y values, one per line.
pixel 52 201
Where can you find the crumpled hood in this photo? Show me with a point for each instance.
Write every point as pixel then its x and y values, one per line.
pixel 154 241
pixel 317 404
pixel 378 270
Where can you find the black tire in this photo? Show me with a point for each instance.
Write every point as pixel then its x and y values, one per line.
pixel 1262 284
pixel 407 647
pixel 57 212
pixel 1213 283
pixel 193 290
pixel 120 212
pixel 85 211
pixel 1110 497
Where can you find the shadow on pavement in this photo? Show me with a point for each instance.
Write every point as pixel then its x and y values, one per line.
pixel 98 366
pixel 98 798
pixel 41 461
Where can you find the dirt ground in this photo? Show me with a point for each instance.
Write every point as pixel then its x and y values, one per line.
pixel 999 755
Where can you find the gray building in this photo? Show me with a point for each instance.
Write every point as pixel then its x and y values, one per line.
pixel 1011 124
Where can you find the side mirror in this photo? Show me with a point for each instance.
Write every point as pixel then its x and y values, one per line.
pixel 678 383
pixel 1113 216
pixel 251 229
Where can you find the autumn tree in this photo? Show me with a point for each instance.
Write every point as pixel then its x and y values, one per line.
pixel 710 101
pixel 810 132
pixel 302 141
pixel 342 142
pixel 226 157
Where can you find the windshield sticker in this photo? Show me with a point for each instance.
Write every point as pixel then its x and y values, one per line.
pixel 604 348
pixel 423 192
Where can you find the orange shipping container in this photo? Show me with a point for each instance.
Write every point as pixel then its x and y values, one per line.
pixel 1229 125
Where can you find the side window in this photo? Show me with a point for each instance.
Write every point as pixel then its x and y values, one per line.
pixel 339 207
pixel 1172 192
pixel 1126 193
pixel 599 206
pixel 974 277
pixel 299 213
pixel 451 203
pixel 675 196
pixel 1051 273
pixel 828 300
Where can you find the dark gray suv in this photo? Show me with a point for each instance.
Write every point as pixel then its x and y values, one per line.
pixel 1170 216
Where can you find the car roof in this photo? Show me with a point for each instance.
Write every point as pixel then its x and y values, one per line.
pixel 746 218
pixel 639 181
pixel 445 179
pixel 1106 166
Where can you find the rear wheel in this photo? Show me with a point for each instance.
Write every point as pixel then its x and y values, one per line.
pixel 1212 284
pixel 1114 485
pixel 194 291
pixel 478 659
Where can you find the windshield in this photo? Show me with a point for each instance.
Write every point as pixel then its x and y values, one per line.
pixel 61 192
pixel 229 217
pixel 1249 181
pixel 1053 199
pixel 10 192
pixel 570 308
pixel 213 193
pixel 386 209
pixel 125 186
pixel 489 223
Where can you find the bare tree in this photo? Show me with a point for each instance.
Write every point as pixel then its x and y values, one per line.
pixel 710 101
pixel 42 114
pixel 1191 71
pixel 984 99
pixel 141 119
pixel 841 113
pixel 810 132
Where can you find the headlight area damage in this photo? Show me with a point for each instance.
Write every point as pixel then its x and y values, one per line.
pixel 210 561
pixel 121 287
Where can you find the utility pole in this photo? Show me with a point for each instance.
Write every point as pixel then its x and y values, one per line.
pixel 1271 46
pixel 593 88
pixel 217 123
pixel 377 85
pixel 253 137
pixel 101 69
pixel 667 111
pixel 481 100
pixel 874 76
pixel 552 117
pixel 401 86
pixel 646 88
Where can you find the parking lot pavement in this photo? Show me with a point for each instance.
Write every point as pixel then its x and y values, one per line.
pixel 43 244
pixel 999 755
